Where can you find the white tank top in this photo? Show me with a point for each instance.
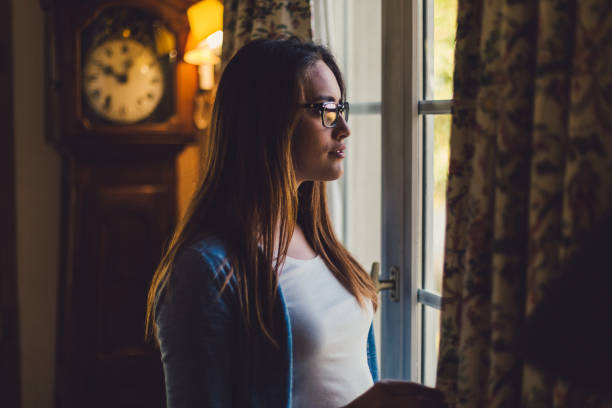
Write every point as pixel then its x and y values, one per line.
pixel 330 331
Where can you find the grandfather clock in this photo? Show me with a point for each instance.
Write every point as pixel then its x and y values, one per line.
pixel 120 110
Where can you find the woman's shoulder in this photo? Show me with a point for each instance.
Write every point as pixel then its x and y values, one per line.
pixel 203 258
pixel 196 288
pixel 210 247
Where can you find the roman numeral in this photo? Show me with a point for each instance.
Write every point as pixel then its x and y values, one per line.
pixel 107 103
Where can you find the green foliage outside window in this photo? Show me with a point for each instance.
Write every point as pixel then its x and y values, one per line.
pixel 445 27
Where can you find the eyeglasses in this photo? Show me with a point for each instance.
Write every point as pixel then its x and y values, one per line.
pixel 330 111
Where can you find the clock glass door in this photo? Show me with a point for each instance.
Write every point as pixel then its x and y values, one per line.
pixel 127 65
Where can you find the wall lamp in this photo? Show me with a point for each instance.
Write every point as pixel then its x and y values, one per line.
pixel 205 38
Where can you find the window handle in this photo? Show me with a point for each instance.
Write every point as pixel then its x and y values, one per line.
pixel 392 284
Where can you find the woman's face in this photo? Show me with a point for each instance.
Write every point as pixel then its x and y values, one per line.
pixel 319 151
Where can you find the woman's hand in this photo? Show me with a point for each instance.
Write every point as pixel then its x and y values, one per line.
pixel 404 394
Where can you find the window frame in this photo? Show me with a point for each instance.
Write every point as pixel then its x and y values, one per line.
pixel 401 187
pixel 407 147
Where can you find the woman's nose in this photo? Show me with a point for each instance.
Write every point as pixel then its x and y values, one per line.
pixel 341 130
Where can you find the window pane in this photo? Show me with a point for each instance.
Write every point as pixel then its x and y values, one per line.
pixel 365 49
pixel 363 187
pixel 363 194
pixel 440 28
pixel 437 161
pixel 431 344
pixel 352 29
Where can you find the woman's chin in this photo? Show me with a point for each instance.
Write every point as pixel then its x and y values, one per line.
pixel 335 175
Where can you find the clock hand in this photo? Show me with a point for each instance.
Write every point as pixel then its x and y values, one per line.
pixel 127 64
pixel 106 69
pixel 109 71
pixel 121 78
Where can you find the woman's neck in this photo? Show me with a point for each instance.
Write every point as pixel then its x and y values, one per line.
pixel 299 247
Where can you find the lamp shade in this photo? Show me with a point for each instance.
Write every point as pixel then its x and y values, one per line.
pixel 201 55
pixel 205 17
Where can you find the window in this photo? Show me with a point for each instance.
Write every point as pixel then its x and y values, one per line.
pixel 355 199
pixel 397 57
pixel 438 30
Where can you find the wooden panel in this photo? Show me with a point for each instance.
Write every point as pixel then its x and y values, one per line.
pixel 126 210
pixel 9 327
pixel 128 246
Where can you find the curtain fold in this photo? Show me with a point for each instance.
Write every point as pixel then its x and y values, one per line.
pixel 246 20
pixel 530 172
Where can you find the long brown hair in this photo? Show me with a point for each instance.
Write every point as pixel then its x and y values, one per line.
pixel 249 185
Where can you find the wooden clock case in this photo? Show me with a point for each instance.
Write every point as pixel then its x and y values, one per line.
pixel 119 208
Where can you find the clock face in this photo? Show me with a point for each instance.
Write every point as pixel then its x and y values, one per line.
pixel 127 69
pixel 123 81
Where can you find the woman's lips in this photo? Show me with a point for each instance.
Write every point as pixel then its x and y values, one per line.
pixel 338 153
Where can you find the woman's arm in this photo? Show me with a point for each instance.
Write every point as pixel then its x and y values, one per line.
pixel 399 394
pixel 197 335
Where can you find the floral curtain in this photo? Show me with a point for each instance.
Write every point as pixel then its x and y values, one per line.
pixel 530 171
pixel 246 20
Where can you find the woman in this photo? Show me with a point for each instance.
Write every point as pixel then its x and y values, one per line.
pixel 255 302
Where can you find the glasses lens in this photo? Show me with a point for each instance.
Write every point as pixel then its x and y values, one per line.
pixel 332 110
pixel 330 114
pixel 345 112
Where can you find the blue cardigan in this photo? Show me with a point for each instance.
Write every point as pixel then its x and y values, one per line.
pixel 207 359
